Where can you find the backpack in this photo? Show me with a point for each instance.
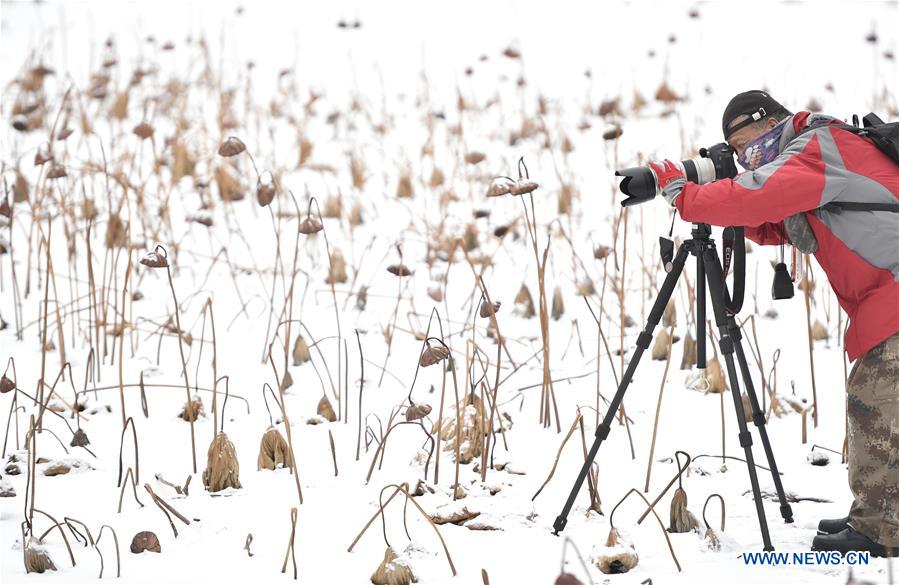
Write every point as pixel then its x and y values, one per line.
pixel 885 136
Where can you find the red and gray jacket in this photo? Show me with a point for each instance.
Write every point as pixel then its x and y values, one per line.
pixel 859 250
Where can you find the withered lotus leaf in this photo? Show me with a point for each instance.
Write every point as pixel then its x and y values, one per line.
pixel 399 270
pixel 154 260
pixel 57 171
pixel 310 225
pixel 523 187
pixel 143 130
pixel 488 309
pixel 232 146
pixel 417 411
pixel 145 541
pixel 498 188
pixel 222 469
pixel 265 193
pixel 433 354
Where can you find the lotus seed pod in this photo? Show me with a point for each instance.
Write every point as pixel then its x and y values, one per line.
pixel 145 541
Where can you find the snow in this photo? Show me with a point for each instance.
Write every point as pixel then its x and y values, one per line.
pixel 792 48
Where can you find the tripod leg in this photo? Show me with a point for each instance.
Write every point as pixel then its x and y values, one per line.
pixel 758 418
pixel 700 312
pixel 602 431
pixel 716 284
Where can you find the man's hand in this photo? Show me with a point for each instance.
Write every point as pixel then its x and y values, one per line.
pixel 670 178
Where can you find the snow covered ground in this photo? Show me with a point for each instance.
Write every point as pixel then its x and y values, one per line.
pixel 406 60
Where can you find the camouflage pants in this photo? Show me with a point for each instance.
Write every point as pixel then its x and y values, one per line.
pixel 873 408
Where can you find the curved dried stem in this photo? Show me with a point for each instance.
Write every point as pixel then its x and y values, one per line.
pixel 62 532
pixel 404 489
pixel 227 380
pixel 552 471
pixel 659 520
pixel 361 387
pixel 568 542
pixel 86 537
pixel 655 424
pixel 312 345
pixel 424 345
pixel 118 558
pixel 664 491
pixel 166 508
pixel 136 476
pixel 265 401
pixel 207 307
pixel 293 456
pixel 382 446
pixel 144 386
pixel 180 334
pixel 381 506
pixel 133 489
pixel 333 295
pixel 704 506
pixel 290 553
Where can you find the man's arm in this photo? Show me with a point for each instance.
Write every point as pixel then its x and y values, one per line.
pixel 767 234
pixel 791 183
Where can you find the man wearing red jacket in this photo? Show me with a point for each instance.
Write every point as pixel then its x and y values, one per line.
pixel 792 178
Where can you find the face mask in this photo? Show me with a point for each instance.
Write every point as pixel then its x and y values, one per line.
pixel 763 149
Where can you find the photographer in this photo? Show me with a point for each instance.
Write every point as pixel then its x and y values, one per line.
pixel 792 175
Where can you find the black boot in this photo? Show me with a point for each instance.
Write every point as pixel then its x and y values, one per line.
pixel 850 540
pixel 833 525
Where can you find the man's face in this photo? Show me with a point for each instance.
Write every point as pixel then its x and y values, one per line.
pixel 739 139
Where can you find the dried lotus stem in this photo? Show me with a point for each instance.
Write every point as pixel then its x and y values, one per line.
pixel 62 532
pixel 118 558
pixel 166 508
pixel 382 447
pixel 333 451
pixel 290 553
pixel 680 470
pixel 655 424
pixel 128 474
pixel 704 506
pixel 593 475
pixel 558 455
pixel 284 417
pixel 87 537
pixel 659 520
pixel 361 387
pixel 136 474
pixel 404 488
pixel 334 299
pixel 568 542
pixel 160 260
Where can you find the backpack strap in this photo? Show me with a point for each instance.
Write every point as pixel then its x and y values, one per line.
pixel 841 206
pixel 872 119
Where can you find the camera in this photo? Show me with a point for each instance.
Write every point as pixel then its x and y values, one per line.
pixel 640 184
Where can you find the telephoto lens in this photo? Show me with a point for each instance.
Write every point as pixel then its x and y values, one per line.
pixel 716 162
pixel 640 184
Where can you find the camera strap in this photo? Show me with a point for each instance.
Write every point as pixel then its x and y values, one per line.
pixel 734 246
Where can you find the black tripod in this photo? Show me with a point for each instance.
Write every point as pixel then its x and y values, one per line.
pixel 708 269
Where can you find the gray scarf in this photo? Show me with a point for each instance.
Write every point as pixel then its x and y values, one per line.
pixel 800 233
